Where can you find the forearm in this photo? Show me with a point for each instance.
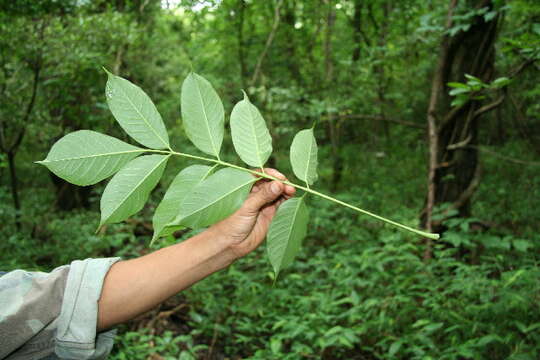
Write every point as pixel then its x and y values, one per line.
pixel 135 286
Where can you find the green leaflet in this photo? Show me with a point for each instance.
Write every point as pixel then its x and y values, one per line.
pixel 215 198
pixel 304 156
pixel 202 114
pixel 287 230
pixel 250 136
pixel 181 186
pixel 136 113
pixel 129 189
pixel 86 157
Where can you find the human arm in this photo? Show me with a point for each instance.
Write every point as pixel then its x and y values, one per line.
pixel 134 286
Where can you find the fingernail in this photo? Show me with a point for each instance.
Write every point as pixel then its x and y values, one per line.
pixel 276 188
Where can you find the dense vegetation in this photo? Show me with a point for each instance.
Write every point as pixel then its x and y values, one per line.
pixel 426 112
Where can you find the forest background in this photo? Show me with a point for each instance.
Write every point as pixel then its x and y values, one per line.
pixel 427 112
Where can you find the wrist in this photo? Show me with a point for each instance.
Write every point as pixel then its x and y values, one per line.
pixel 225 243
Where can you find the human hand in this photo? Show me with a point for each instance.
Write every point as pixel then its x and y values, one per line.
pixel 246 229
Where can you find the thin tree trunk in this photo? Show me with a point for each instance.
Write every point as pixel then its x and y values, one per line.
pixel 14 188
pixel 436 86
pixel 268 44
pixel 454 170
pixel 240 37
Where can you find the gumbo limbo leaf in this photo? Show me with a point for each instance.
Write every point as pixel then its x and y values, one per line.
pixel 200 195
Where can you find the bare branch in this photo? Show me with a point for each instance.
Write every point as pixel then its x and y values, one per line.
pixel 460 144
pixel 488 107
pixel 504 157
pixel 269 40
pixel 382 118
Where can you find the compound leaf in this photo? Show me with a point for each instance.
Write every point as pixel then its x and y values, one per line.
pixel 287 230
pixel 215 198
pixel 129 189
pixel 86 157
pixel 202 114
pixel 180 187
pixel 136 113
pixel 304 156
pixel 251 138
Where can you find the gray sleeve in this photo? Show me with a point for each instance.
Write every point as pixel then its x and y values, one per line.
pixel 42 314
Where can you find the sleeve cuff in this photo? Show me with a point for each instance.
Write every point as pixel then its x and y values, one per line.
pixel 76 337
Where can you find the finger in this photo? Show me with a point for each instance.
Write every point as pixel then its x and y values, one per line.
pixel 268 192
pixel 275 173
pixel 289 191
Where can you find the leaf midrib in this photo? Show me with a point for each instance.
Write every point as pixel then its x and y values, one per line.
pixel 309 158
pixel 207 121
pixel 136 186
pixel 290 231
pixel 93 156
pixel 257 148
pixel 143 117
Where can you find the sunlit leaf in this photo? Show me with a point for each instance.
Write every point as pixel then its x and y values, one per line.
pixel 250 136
pixel 202 114
pixel 288 229
pixel 129 189
pixel 86 157
pixel 136 113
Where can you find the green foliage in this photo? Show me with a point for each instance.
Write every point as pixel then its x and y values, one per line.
pixel 358 290
pixel 136 113
pixel 286 233
pixel 86 157
pixel 214 198
pixel 202 114
pixel 250 136
pixel 128 190
pixel 210 200
pixel 142 346
pixel 304 156
pixel 181 186
pixel 375 297
pixel 474 89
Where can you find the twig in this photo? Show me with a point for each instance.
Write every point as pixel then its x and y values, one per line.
pixel 460 144
pixel 489 107
pixel 269 40
pixel 382 118
pixel 504 157
pixel 304 188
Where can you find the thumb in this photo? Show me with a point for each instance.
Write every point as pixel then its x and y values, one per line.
pixel 268 193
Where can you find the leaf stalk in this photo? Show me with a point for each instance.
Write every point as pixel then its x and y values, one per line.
pixel 304 188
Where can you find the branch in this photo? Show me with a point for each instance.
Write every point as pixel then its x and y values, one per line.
pixel 269 40
pixel 460 144
pixel 504 157
pixel 469 191
pixel 304 188
pixel 29 107
pixel 488 107
pixel 464 196
pixel 382 118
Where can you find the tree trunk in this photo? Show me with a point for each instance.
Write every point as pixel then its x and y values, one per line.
pixel 241 6
pixel 14 188
pixel 454 168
